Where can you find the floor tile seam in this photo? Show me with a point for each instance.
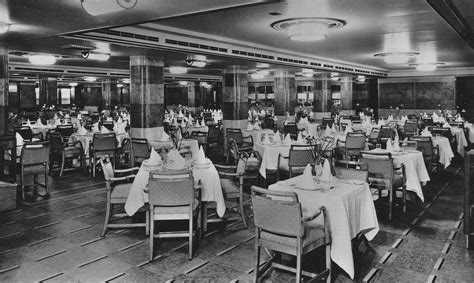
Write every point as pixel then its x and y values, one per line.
pixel 61 198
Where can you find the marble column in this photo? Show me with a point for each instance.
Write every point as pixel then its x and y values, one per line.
pixel 110 93
pixel 235 97
pixel 284 88
pixel 3 89
pixel 194 98
pixel 322 98
pixel 147 96
pixel 48 90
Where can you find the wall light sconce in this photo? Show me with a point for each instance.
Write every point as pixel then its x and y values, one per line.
pixel 196 63
pixel 178 70
pixel 4 27
pixel 42 59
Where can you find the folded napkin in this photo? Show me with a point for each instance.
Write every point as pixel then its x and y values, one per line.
pixel 164 137
pixel 380 123
pixel 458 118
pixel 249 127
pixel 39 123
pixel 446 125
pixel 120 120
pixel 390 118
pixel 285 122
pixel 79 116
pixel 425 132
pixel 57 122
pixel 116 127
pixel 67 116
pixel 306 180
pixel 61 113
pixel 175 160
pixel 300 137
pixel 287 139
pixel 390 145
pixel 200 158
pixel 28 122
pixel 256 126
pixel 81 131
pixel 155 158
pixel 326 174
pixel 55 116
pixel 95 128
pixel 396 146
pixel 19 139
pixel 104 130
pixel 109 119
pixel 276 137
pixel 266 139
pixel 333 128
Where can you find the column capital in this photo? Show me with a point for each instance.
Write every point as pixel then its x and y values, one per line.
pixel 236 69
pixel 141 60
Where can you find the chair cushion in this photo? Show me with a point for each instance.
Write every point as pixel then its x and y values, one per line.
pixel 175 209
pixel 120 191
pixel 34 169
pixel 312 233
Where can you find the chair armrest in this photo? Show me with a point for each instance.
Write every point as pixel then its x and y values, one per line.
pixel 318 212
pixel 73 143
pixel 338 141
pixel 119 171
pixel 402 167
pixel 313 216
pixel 219 166
pixel 124 178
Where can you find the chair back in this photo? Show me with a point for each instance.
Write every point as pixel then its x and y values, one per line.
pixel 107 168
pixel 301 155
pixel 104 141
pixel 428 122
pixel 355 140
pixel 379 165
pixel 201 137
pixel 171 188
pixel 65 130
pixel 441 131
pixel 233 150
pixel 108 124
pixel 34 153
pixel 386 132
pixel 411 128
pixel 327 122
pixel 140 148
pixel 355 117
pixel 235 134
pixel 56 142
pixel 214 133
pixel 424 144
pixel 277 212
pixel 25 132
pixel 408 144
pixel 291 129
pixel 374 135
pixel 351 174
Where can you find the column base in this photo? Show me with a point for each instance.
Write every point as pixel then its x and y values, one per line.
pixel 154 133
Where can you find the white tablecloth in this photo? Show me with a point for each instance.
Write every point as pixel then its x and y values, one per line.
pixel 211 189
pixel 311 128
pixel 415 169
pixel 87 139
pixel 257 134
pixel 445 150
pixel 269 154
pixel 350 210
pixel 44 129
pixel 460 139
pixel 470 130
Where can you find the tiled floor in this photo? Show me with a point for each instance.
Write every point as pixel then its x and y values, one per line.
pixel 58 240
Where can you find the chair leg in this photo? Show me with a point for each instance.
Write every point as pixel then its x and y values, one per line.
pixel 147 222
pixel 390 204
pixel 328 261
pixel 63 161
pixel 46 178
pixel 152 231
pixel 107 218
pixel 298 262
pixel 404 194
pixel 257 257
pixel 191 234
pixel 93 166
pixel 22 181
pixel 241 208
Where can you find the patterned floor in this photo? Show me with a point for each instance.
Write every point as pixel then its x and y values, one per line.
pixel 58 240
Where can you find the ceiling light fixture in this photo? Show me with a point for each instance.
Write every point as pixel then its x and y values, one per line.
pixel 361 78
pixel 126 80
pixel 183 83
pixel 196 63
pixel 178 70
pixel 205 84
pixel 72 84
pixel 4 27
pixel 307 73
pixel 95 56
pixel 396 57
pixel 100 7
pixel 308 28
pixel 90 79
pixel 119 85
pixel 42 59
pixel 426 67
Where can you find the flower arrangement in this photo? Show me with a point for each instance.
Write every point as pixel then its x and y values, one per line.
pixel 320 145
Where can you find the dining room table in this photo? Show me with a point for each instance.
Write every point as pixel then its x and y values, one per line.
pixel 206 175
pixel 415 169
pixel 257 134
pixel 350 208
pixel 87 138
pixel 445 150
pixel 461 141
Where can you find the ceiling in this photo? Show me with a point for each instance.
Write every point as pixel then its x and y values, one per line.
pixel 439 30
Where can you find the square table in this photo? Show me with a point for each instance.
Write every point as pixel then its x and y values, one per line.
pixel 350 208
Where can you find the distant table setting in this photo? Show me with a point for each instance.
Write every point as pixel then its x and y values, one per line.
pixel 203 171
pixel 86 137
pixel 349 205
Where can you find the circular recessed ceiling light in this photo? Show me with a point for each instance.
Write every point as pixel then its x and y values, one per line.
pixel 308 28
pixel 396 57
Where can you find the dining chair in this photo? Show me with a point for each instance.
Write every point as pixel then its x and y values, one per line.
pixel 34 160
pixel 408 145
pixel 63 153
pixel 140 150
pixel 27 134
pixel 352 146
pixel 243 143
pixel 445 132
pixel 430 152
pixel 109 125
pixel 65 130
pixel 296 161
pixel 384 176
pixel 385 133
pixel 374 136
pixel 117 184
pixel 350 170
pixel 103 144
pixel 281 227
pixel 427 122
pixel 411 128
pixel 8 157
pixel 214 139
pixel 201 138
pixel 173 196
pixel 292 130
